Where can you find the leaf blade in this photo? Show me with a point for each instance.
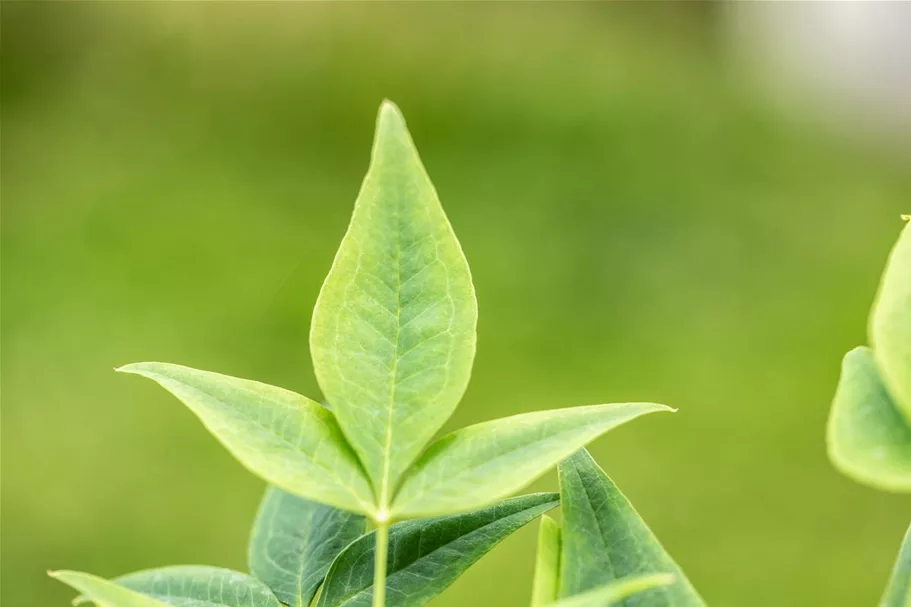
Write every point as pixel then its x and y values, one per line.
pixel 103 592
pixel 890 324
pixel 868 439
pixel 438 550
pixel 613 593
pixel 199 586
pixel 546 584
pixel 294 541
pixel 477 465
pixel 605 540
pixel 898 590
pixel 393 331
pixel 283 437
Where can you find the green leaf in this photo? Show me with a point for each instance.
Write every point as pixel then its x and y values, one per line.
pixel 546 586
pixel 393 332
pixel 200 586
pixel 615 592
pixel 294 541
pixel 287 439
pixel 604 539
pixel 104 593
pixel 479 464
pixel 427 555
pixel 868 438
pixel 890 324
pixel 898 592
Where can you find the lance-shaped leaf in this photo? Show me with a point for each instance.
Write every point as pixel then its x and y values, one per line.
pixel 427 555
pixel 480 464
pixel 287 439
pixel 393 332
pixel 890 324
pixel 614 593
pixel 868 438
pixel 294 541
pixel 898 592
pixel 605 540
pixel 546 586
pixel 199 586
pixel 104 593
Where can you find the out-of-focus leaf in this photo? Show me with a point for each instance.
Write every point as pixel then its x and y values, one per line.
pixel 287 439
pixel 427 555
pixel 614 593
pixel 605 540
pixel 546 586
pixel 294 541
pixel 479 464
pixel 393 333
pixel 890 324
pixel 868 438
pixel 898 592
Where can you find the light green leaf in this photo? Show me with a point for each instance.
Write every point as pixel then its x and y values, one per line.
pixel 294 541
pixel 898 592
pixel 104 593
pixel 546 586
pixel 868 438
pixel 199 586
pixel 427 555
pixel 613 593
pixel 890 324
pixel 479 464
pixel 393 332
pixel 605 540
pixel 287 439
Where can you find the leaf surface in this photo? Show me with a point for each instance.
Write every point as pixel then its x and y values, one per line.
pixel 294 541
pixel 898 591
pixel 890 324
pixel 427 555
pixel 287 439
pixel 480 464
pixel 200 586
pixel 614 593
pixel 103 592
pixel 605 540
pixel 868 439
pixel 393 332
pixel 546 586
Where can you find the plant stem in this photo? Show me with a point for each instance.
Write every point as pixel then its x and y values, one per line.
pixel 379 564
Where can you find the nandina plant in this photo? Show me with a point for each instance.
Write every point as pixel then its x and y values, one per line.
pixel 365 505
pixel 869 431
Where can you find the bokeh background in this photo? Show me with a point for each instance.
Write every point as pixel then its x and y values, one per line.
pixel 683 203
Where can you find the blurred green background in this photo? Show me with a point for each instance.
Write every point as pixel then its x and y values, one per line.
pixel 643 223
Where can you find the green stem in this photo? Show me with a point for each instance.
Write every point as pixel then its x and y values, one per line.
pixel 379 564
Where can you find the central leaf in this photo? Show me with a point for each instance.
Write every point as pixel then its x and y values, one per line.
pixel 393 332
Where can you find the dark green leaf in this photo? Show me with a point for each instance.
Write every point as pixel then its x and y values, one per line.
pixel 294 541
pixel 604 540
pixel 427 555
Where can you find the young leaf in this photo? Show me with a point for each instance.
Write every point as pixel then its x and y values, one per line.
pixel 393 332
pixel 104 593
pixel 546 586
pixel 898 592
pixel 287 439
pixel 890 324
pixel 294 541
pixel 868 438
pixel 199 586
pixel 427 555
pixel 479 464
pixel 613 593
pixel 604 539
